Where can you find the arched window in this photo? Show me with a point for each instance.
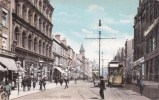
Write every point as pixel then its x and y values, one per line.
pixel 50 51
pixel 24 10
pixel 40 24
pixel 35 3
pixel 40 5
pixel 17 6
pixel 44 27
pixel 50 15
pixel 44 8
pixel 47 49
pixel 16 35
pixel 35 20
pixel 23 39
pixel 29 42
pixel 30 16
pixel 47 29
pixel 50 30
pixel 43 48
pixel 47 12
pixel 40 46
pixel 35 44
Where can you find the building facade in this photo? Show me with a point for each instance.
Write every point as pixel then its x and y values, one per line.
pixel 31 29
pixel 146 40
pixel 129 58
pixel 60 52
pixel 7 57
pixel 129 51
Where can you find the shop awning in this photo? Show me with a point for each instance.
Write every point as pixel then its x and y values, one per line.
pixel 2 68
pixel 59 69
pixel 9 63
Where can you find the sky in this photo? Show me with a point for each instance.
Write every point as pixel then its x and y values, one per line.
pixel 76 20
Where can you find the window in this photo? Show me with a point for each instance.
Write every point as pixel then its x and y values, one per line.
pixel 4 17
pixel 35 45
pixel 30 16
pixel 24 12
pixel 40 45
pixel 153 43
pixel 4 43
pixel 43 48
pixel 17 6
pixel 23 39
pixel 29 42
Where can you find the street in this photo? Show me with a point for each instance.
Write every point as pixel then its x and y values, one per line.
pixel 83 91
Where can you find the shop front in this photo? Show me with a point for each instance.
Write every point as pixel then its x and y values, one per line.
pixel 138 70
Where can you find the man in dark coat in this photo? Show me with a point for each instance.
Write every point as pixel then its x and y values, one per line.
pixel 66 81
pixel 44 83
pixel 40 83
pixel 24 83
pixel 102 87
pixel 29 83
pixel 141 85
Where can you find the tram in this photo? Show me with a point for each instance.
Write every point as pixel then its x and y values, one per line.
pixel 115 77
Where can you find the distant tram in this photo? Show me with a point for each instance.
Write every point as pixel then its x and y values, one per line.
pixel 115 77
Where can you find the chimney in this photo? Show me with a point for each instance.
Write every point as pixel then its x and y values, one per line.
pixel 57 37
pixel 64 41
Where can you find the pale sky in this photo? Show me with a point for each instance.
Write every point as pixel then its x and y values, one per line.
pixel 76 20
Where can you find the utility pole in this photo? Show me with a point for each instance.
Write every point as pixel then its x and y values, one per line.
pixel 99 38
pixel 102 63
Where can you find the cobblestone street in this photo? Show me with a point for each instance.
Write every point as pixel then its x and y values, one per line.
pixel 83 91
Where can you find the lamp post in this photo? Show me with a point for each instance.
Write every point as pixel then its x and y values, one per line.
pixel 18 67
pixel 51 73
pixel 41 67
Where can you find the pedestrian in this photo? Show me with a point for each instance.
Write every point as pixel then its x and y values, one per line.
pixel 29 83
pixel 61 81
pixel 56 81
pixel 8 89
pixel 44 83
pixel 66 81
pixel 3 83
pixel 141 85
pixel 40 83
pixel 34 83
pixel 24 83
pixel 102 87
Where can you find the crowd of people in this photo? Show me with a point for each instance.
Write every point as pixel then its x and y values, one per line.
pixel 27 82
pixel 5 89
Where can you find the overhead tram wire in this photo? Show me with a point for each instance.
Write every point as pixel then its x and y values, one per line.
pixel 99 38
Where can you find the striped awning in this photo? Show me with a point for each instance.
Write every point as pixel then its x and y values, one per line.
pixel 2 68
pixel 9 63
pixel 60 69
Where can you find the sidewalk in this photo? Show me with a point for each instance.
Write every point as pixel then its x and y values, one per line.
pixel 14 93
pixel 149 84
pixel 151 89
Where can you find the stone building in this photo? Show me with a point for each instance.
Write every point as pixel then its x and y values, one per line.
pixel 146 39
pixel 60 50
pixel 7 57
pixel 31 29
pixel 129 57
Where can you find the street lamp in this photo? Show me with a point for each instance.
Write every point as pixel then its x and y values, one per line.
pixel 18 67
pixel 41 67
pixel 51 73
